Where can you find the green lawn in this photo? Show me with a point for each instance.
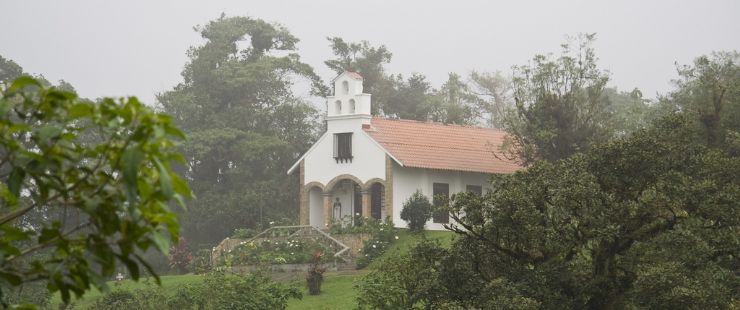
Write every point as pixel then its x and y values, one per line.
pixel 337 291
pixel 169 285
pixel 407 240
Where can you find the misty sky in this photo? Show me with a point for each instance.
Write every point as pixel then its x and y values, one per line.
pixel 136 47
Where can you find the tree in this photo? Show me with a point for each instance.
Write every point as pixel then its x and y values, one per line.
pixel 494 94
pixel 405 281
pixel 245 126
pixel 710 90
pixel 362 58
pixel 453 103
pixel 417 210
pixel 559 105
pixel 403 98
pixel 9 70
pixel 85 186
pixel 648 220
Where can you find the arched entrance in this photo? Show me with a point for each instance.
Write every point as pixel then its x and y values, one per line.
pixel 343 200
pixel 377 201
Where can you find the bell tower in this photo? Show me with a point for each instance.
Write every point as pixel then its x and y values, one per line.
pixel 349 107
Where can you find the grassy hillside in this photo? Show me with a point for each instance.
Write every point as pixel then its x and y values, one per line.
pixel 337 291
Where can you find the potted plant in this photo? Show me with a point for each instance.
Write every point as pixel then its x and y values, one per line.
pixel 315 274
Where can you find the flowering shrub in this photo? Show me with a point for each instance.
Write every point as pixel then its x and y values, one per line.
pixel 382 235
pixel 358 225
pixel 275 252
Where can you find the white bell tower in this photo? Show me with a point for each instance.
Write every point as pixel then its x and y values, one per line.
pixel 349 108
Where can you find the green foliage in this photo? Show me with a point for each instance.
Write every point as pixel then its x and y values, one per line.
pixel 9 70
pixel 218 291
pixel 710 90
pixel 85 186
pixel 493 93
pixel 454 103
pixel 119 299
pixel 245 126
pixel 382 236
pixel 560 108
pixel 362 225
pixel 405 281
pixel 417 210
pixel 276 252
pixel 243 233
pixel 644 221
pixel 215 291
pixel 33 293
pixel 362 58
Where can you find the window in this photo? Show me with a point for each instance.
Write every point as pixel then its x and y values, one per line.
pixel 343 147
pixel 345 87
pixel 475 189
pixel 440 192
pixel 351 106
pixel 338 107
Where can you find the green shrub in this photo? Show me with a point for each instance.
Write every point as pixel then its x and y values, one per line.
pixel 238 292
pixel 382 235
pixel 243 233
pixel 276 252
pixel 404 281
pixel 148 298
pixel 417 210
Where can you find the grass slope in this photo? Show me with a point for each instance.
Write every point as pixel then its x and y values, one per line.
pixel 169 286
pixel 337 291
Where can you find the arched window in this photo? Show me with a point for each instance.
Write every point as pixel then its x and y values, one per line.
pixel 338 107
pixel 345 87
pixel 351 106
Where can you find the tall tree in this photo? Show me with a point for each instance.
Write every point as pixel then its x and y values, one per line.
pixel 72 208
pixel 560 107
pixel 454 103
pixel 710 90
pixel 244 124
pixel 9 70
pixel 649 220
pixel 360 57
pixel 404 98
pixel 495 97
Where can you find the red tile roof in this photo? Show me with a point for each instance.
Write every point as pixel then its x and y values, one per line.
pixel 440 146
pixel 354 75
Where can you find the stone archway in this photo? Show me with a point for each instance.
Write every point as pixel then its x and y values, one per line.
pixel 342 199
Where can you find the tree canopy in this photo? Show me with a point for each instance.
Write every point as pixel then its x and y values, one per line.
pixel 245 126
pixel 85 187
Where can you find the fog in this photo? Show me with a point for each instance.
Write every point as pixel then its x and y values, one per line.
pixel 117 48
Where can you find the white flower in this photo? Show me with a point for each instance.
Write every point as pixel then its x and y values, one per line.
pixel 373 246
pixel 396 237
pixel 381 229
pixel 272 223
pixel 358 213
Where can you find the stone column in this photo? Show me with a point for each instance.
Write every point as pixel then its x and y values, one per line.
pixel 365 203
pixel 303 210
pixel 388 186
pixel 327 210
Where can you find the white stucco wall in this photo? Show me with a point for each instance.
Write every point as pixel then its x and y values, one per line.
pixel 407 180
pixel 368 158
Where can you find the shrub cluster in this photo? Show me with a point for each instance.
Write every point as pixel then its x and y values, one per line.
pixel 277 251
pixel 417 210
pixel 381 236
pixel 216 291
